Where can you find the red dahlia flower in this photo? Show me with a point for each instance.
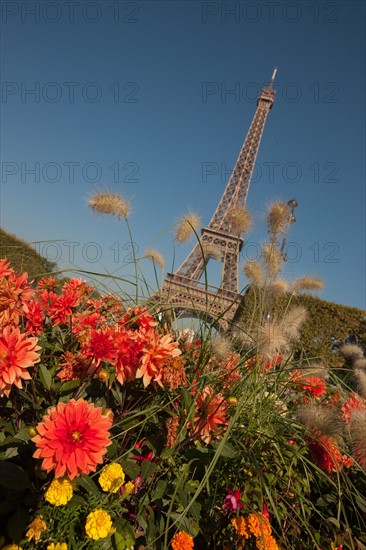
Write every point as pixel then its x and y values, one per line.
pixel 72 438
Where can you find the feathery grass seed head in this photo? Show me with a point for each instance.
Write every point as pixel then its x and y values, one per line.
pixel 278 287
pixel 239 219
pixel 211 251
pixel 307 283
pixel 277 218
pixel 358 434
pixel 293 321
pixel 360 376
pixel 360 364
pixel 271 338
pixel 317 368
pixel 254 272
pixel 221 347
pixel 272 258
pixel 314 416
pixel 351 352
pixel 155 257
pixel 110 204
pixel 187 227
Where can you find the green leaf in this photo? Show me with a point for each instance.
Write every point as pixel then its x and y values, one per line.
pixel 88 484
pixel 10 453
pixel 45 377
pixel 188 404
pixel 18 523
pixel 117 394
pixel 130 468
pixel 69 386
pixel 189 525
pixel 13 477
pixel 147 469
pixel 361 503
pixel 159 490
pixel 227 450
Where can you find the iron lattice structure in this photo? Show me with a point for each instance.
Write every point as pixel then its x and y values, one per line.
pixel 183 290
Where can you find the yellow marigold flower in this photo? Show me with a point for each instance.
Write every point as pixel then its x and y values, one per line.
pixel 57 546
pixel 241 526
pixel 11 547
pixel 35 529
pixel 128 488
pixel 98 525
pixel 266 543
pixel 60 491
pixel 182 541
pixel 111 478
pixel 259 525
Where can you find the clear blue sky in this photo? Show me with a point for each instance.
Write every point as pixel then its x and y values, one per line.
pixel 144 86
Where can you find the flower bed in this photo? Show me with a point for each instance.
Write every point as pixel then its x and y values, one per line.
pixel 119 433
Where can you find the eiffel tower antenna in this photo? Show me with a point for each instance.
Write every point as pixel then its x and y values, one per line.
pixel 183 290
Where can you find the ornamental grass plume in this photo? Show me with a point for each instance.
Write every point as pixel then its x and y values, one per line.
pixel 352 352
pixel 109 203
pixel 99 525
pixel 360 363
pixel 271 338
pixel 273 259
pixel 316 368
pixel 155 257
pixel 211 251
pixel 358 435
pixel 307 284
pixel 187 227
pixel 293 321
pixel 360 376
pixel 239 219
pixel 182 541
pixel 277 218
pixel 254 272
pixel 316 417
pixel 278 287
pixel 221 347
pixel 72 438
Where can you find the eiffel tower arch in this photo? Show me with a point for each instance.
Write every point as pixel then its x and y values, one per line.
pixel 183 290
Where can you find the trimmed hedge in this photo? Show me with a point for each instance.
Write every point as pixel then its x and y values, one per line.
pixel 23 257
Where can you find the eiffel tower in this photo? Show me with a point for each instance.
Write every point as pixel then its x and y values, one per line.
pixel 183 290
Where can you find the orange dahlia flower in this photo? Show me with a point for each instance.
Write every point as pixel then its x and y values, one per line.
pixel 210 414
pixel 158 349
pixel 18 352
pixel 72 438
pixel 15 292
pixel 182 541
